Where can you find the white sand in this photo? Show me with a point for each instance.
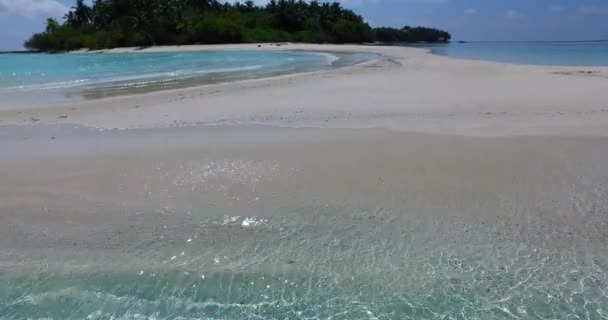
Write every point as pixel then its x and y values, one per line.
pixel 89 197
pixel 408 90
pixel 82 199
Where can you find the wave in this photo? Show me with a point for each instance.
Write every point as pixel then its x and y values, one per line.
pixel 329 58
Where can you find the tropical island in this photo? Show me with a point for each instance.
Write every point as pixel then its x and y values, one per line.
pixel 140 23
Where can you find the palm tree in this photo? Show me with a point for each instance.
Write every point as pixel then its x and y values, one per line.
pixel 83 12
pixel 70 18
pixel 199 4
pixel 79 15
pixel 101 15
pixel 51 25
pixel 249 5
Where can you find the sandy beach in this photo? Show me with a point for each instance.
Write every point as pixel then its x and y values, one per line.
pixel 410 186
pixel 407 90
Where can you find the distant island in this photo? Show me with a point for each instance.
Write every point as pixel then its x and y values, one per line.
pixel 140 23
pixel 17 51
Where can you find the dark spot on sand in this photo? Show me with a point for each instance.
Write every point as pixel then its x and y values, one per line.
pixel 291 262
pixel 34 119
pixel 62 117
pixel 52 138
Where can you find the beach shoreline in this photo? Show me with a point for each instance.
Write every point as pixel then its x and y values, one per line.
pixel 408 89
pixel 413 186
pixel 87 184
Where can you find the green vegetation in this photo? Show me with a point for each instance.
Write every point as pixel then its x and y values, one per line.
pixel 409 34
pixel 122 23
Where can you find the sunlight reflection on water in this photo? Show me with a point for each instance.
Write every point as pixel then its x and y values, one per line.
pixel 353 266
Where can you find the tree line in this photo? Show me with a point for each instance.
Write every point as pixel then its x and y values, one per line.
pixel 410 34
pixel 127 23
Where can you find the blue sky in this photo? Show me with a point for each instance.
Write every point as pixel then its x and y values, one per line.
pixel 472 20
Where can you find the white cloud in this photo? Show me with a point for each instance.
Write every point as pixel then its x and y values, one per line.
pixel 514 14
pixel 594 10
pixel 30 8
pixel 471 11
pixel 556 8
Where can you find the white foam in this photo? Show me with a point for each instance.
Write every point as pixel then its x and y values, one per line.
pixel 252 222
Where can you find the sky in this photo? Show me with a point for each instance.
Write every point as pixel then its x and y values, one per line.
pixel 470 20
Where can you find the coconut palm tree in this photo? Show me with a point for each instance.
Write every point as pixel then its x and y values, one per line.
pixel 79 15
pixel 51 25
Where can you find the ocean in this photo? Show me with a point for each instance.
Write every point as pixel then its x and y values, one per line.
pixel 589 53
pixel 46 71
pixel 57 77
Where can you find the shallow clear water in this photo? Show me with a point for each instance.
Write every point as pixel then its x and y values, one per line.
pixel 538 53
pixel 47 78
pixel 355 267
pixel 40 71
pixel 258 236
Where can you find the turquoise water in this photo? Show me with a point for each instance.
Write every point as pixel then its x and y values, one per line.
pixel 254 268
pixel 537 53
pixel 65 72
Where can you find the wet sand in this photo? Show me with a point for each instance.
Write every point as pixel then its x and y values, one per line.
pixel 405 224
pixel 558 182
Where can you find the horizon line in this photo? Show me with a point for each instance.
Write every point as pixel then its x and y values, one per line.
pixel 530 41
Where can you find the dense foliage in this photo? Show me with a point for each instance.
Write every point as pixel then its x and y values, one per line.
pixel 120 23
pixel 409 34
